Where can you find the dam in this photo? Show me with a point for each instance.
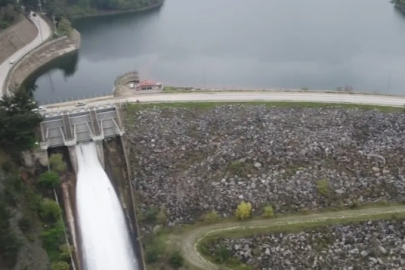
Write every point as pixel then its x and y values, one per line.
pixel 97 197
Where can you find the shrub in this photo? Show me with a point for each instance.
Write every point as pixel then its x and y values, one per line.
pixel 57 163
pixel 24 224
pixel 243 211
pixel 64 27
pixel 53 237
pixel 152 255
pixel 268 211
pixel 323 187
pixel 150 215
pixel 64 253
pixel 8 166
pixel 49 179
pixel 176 259
pixel 60 266
pixel 238 167
pixel 154 247
pixel 222 254
pixel 211 216
pixel 161 217
pixel 49 210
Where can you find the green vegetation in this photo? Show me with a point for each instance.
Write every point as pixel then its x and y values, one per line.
pixel 49 210
pixel 223 257
pixel 161 218
pixel 18 122
pixel 64 27
pixel 155 247
pixel 243 211
pixel 52 238
pixel 268 212
pixel 9 243
pixel 9 13
pixel 57 163
pixel 80 8
pixel 211 217
pixel 323 187
pixel 49 180
pixel 240 168
pixel 176 260
pixel 133 108
pixel 60 266
pixel 399 2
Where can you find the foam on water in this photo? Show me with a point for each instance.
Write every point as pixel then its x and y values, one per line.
pixel 105 239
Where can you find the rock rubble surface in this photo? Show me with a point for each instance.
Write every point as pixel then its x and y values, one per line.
pixel 368 245
pixel 193 160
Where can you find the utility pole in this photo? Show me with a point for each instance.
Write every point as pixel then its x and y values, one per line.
pixel 204 77
pixel 54 24
pixel 389 83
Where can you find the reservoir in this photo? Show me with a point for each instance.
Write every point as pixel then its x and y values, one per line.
pixel 316 44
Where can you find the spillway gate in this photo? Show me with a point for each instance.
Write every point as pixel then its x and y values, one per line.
pixel 67 128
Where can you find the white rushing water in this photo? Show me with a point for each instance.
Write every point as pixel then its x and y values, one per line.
pixel 105 239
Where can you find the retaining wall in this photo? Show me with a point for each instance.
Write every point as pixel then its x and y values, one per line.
pixel 15 37
pixel 38 57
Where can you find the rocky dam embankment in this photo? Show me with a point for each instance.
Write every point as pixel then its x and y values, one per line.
pixel 368 245
pixel 189 161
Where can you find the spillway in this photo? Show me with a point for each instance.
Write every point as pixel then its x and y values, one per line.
pixel 105 241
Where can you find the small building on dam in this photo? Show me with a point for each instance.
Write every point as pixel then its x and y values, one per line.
pixel 61 131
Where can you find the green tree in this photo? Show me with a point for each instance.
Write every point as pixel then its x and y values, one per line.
pixel 323 187
pixel 268 211
pixel 64 27
pixel 18 122
pixel 60 266
pixel 161 217
pixel 49 210
pixel 53 237
pixel 49 179
pixel 65 251
pixel 176 260
pixel 9 243
pixel 57 163
pixel 8 13
pixel 243 211
pixel 211 217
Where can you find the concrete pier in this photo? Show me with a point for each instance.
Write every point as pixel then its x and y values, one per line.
pixel 100 152
pixel 73 158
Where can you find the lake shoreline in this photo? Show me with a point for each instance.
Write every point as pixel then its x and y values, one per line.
pixel 100 13
pixel 401 8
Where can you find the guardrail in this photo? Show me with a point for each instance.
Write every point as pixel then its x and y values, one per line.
pixel 68 99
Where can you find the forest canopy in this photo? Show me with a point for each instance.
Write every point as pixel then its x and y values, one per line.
pixel 74 8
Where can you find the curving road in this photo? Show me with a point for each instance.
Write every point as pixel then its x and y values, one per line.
pixel 243 96
pixel 44 32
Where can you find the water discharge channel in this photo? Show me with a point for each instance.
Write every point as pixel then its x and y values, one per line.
pixel 105 241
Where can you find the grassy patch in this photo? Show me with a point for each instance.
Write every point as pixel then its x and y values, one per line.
pixel 291 170
pixel 240 168
pixel 276 104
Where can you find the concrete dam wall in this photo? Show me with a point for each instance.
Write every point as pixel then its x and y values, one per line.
pixel 15 37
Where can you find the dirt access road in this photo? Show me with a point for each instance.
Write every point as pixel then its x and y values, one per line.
pixel 189 239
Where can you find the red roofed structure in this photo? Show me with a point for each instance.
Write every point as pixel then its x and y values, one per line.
pixel 149 85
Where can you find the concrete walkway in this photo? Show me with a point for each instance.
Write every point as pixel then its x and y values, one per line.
pixel 44 32
pixel 188 240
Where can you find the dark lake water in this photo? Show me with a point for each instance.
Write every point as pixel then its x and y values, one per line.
pixel 319 44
